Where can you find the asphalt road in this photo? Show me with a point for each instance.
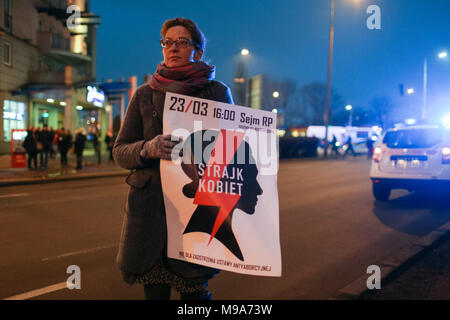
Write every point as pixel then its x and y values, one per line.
pixel 331 231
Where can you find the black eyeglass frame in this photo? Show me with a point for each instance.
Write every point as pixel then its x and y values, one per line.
pixel 163 42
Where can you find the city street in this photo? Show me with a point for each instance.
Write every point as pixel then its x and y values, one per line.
pixel 331 231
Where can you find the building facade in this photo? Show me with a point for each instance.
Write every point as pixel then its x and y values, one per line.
pixel 47 67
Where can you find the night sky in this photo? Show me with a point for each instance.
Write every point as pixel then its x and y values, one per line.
pixel 289 39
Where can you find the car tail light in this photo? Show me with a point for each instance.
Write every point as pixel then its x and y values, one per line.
pixel 446 155
pixel 377 154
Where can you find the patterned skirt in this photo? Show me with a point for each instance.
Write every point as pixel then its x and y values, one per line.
pixel 160 274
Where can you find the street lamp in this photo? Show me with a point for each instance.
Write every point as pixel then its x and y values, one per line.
pixel 245 52
pixel 410 91
pixel 326 115
pixel 349 108
pixel 240 76
pixel 441 55
pixel 275 96
pixel 277 110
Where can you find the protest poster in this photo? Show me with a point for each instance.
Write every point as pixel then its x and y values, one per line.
pixel 220 188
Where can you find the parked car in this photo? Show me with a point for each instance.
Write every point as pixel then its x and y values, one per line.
pixel 411 158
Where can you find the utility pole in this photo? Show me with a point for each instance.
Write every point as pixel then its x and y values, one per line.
pixel 326 116
pixel 425 83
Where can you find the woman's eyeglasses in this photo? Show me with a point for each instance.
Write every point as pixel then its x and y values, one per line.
pixel 181 42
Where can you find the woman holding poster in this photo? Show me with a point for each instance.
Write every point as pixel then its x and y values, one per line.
pixel 139 147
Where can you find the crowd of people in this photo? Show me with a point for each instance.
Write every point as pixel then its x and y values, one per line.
pixel 44 143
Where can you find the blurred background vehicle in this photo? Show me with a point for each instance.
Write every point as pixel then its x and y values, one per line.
pixel 411 158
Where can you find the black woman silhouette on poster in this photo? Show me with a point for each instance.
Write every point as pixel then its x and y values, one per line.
pixel 224 178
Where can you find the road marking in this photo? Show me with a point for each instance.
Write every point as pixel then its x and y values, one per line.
pixel 58 286
pixel 64 255
pixel 38 292
pixel 13 195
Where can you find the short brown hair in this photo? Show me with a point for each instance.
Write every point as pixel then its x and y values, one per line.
pixel 196 34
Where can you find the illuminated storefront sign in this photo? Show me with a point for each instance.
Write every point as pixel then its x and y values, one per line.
pixel 12 115
pixel 95 97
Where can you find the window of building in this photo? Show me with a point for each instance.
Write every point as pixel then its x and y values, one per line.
pixel 13 117
pixel 7 19
pixel 7 53
pixel 57 41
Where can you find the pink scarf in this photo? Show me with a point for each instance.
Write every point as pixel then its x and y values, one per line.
pixel 183 80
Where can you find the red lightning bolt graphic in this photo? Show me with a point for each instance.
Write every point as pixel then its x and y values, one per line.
pixel 220 156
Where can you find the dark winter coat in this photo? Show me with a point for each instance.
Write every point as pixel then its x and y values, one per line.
pixel 109 141
pixel 30 143
pixel 80 142
pixel 144 232
pixel 45 137
pixel 64 142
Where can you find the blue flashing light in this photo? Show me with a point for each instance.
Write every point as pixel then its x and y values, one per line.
pixel 446 121
pixel 410 122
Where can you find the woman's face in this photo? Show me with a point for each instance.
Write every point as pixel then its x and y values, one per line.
pixel 177 55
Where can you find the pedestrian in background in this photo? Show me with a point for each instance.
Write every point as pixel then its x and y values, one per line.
pixel 52 136
pixel 97 144
pixel 80 143
pixel 140 145
pixel 64 144
pixel 334 146
pixel 30 145
pixel 39 146
pixel 369 144
pixel 55 147
pixel 349 147
pixel 69 138
pixel 43 137
pixel 109 140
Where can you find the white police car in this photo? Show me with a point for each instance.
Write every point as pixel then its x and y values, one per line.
pixel 411 158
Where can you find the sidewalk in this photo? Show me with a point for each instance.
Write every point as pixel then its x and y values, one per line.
pixel 91 169
pixel 425 278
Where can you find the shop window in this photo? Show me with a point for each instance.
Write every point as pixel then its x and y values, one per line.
pixel 13 117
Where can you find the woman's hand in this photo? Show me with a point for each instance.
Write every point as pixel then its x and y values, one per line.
pixel 160 147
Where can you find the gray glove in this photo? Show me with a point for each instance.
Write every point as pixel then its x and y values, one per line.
pixel 160 147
